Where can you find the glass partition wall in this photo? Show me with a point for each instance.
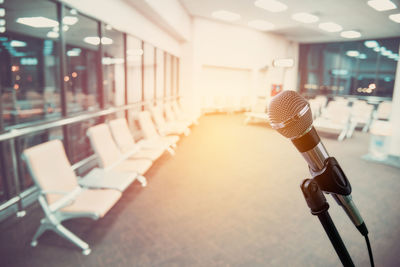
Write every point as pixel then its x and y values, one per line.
pixel 359 68
pixel 57 63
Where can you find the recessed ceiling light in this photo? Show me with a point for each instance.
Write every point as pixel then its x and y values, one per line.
pixel 271 5
pixel 2 22
pixel 225 15
pixel 350 34
pixel 261 25
pixel 69 20
pixel 52 34
pixel 2 29
pixel 377 49
pixel 395 17
pixel 305 17
pixel 381 5
pixel 38 22
pixel 330 27
pixel 95 40
pixel 362 56
pixel 352 53
pixel 371 44
pixel 386 53
pixel 2 12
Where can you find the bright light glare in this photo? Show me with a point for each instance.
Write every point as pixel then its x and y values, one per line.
pixel 261 25
pixel 2 12
pixel 381 5
pixel 52 34
pixel 271 5
pixel 38 22
pixel 362 56
pixel 305 17
pixel 16 43
pixel 371 44
pixel 352 53
pixel 395 17
pixel 2 22
pixel 283 62
pixel 350 34
pixel 2 29
pixel 225 15
pixel 330 27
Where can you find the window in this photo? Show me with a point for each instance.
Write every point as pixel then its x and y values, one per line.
pixel 82 58
pixel 168 75
pixel 160 74
pixel 29 73
pixel 134 57
pixel 113 67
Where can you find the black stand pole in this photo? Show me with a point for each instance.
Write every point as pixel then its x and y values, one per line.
pixel 316 201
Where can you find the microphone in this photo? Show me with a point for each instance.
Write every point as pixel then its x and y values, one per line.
pixel 290 114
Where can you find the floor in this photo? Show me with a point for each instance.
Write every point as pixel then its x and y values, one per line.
pixel 229 197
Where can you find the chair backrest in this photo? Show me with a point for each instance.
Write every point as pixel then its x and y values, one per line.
pixel 158 116
pixel 169 114
pixel 384 110
pixel 147 125
pixel 122 135
pixel 103 145
pixel 50 169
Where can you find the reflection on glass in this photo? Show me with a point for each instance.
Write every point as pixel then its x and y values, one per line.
pixel 82 52
pixel 160 74
pixel 387 66
pixel 29 73
pixel 347 68
pixel 148 71
pixel 113 67
pixel 134 58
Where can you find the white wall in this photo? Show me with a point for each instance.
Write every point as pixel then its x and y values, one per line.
pixel 225 45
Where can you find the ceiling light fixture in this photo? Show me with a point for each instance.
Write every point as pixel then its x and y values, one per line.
pixel 16 43
pixel 350 34
pixel 95 40
pixel 271 5
pixel 2 29
pixel 226 15
pixel 381 5
pixel 261 25
pixel 330 27
pixel 52 34
pixel 38 22
pixel 371 44
pixel 362 56
pixel 305 17
pixel 69 20
pixel 2 22
pixel 2 12
pixel 395 17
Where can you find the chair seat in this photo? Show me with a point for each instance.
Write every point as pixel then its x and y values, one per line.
pixel 96 201
pixel 134 165
pixel 152 154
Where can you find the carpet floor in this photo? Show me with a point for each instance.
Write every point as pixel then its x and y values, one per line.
pixel 229 197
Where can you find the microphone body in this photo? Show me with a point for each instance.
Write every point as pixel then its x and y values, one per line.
pixel 290 115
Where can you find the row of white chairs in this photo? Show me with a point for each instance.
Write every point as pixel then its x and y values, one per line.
pixel 225 103
pixel 339 118
pixel 121 161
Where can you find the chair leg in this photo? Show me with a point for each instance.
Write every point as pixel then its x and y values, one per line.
pixel 42 228
pixel 171 151
pixel 67 234
pixel 142 180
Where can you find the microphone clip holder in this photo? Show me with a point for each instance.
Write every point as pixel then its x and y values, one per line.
pixel 332 179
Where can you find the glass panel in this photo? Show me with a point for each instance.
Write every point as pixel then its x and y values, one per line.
pixel 29 73
pixel 346 73
pixel 113 67
pixel 160 74
pixel 82 50
pixel 168 77
pixel 134 58
pixel 148 72
pixel 389 55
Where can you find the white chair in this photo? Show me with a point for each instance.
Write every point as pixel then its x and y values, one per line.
pixel 126 143
pixel 110 157
pixel 335 119
pixel 173 117
pixel 61 198
pixel 167 128
pixel 152 137
pixel 182 115
pixel 361 115
pixel 384 111
pixel 258 112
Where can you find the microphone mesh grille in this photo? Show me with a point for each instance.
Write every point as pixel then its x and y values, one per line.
pixel 287 105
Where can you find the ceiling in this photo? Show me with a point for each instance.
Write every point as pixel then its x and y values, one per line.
pixel 350 14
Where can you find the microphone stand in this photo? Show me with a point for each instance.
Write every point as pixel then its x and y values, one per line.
pixel 316 201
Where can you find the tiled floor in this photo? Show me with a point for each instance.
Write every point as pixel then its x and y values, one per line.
pixel 230 197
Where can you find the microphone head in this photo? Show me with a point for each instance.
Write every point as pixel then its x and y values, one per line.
pixel 290 114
